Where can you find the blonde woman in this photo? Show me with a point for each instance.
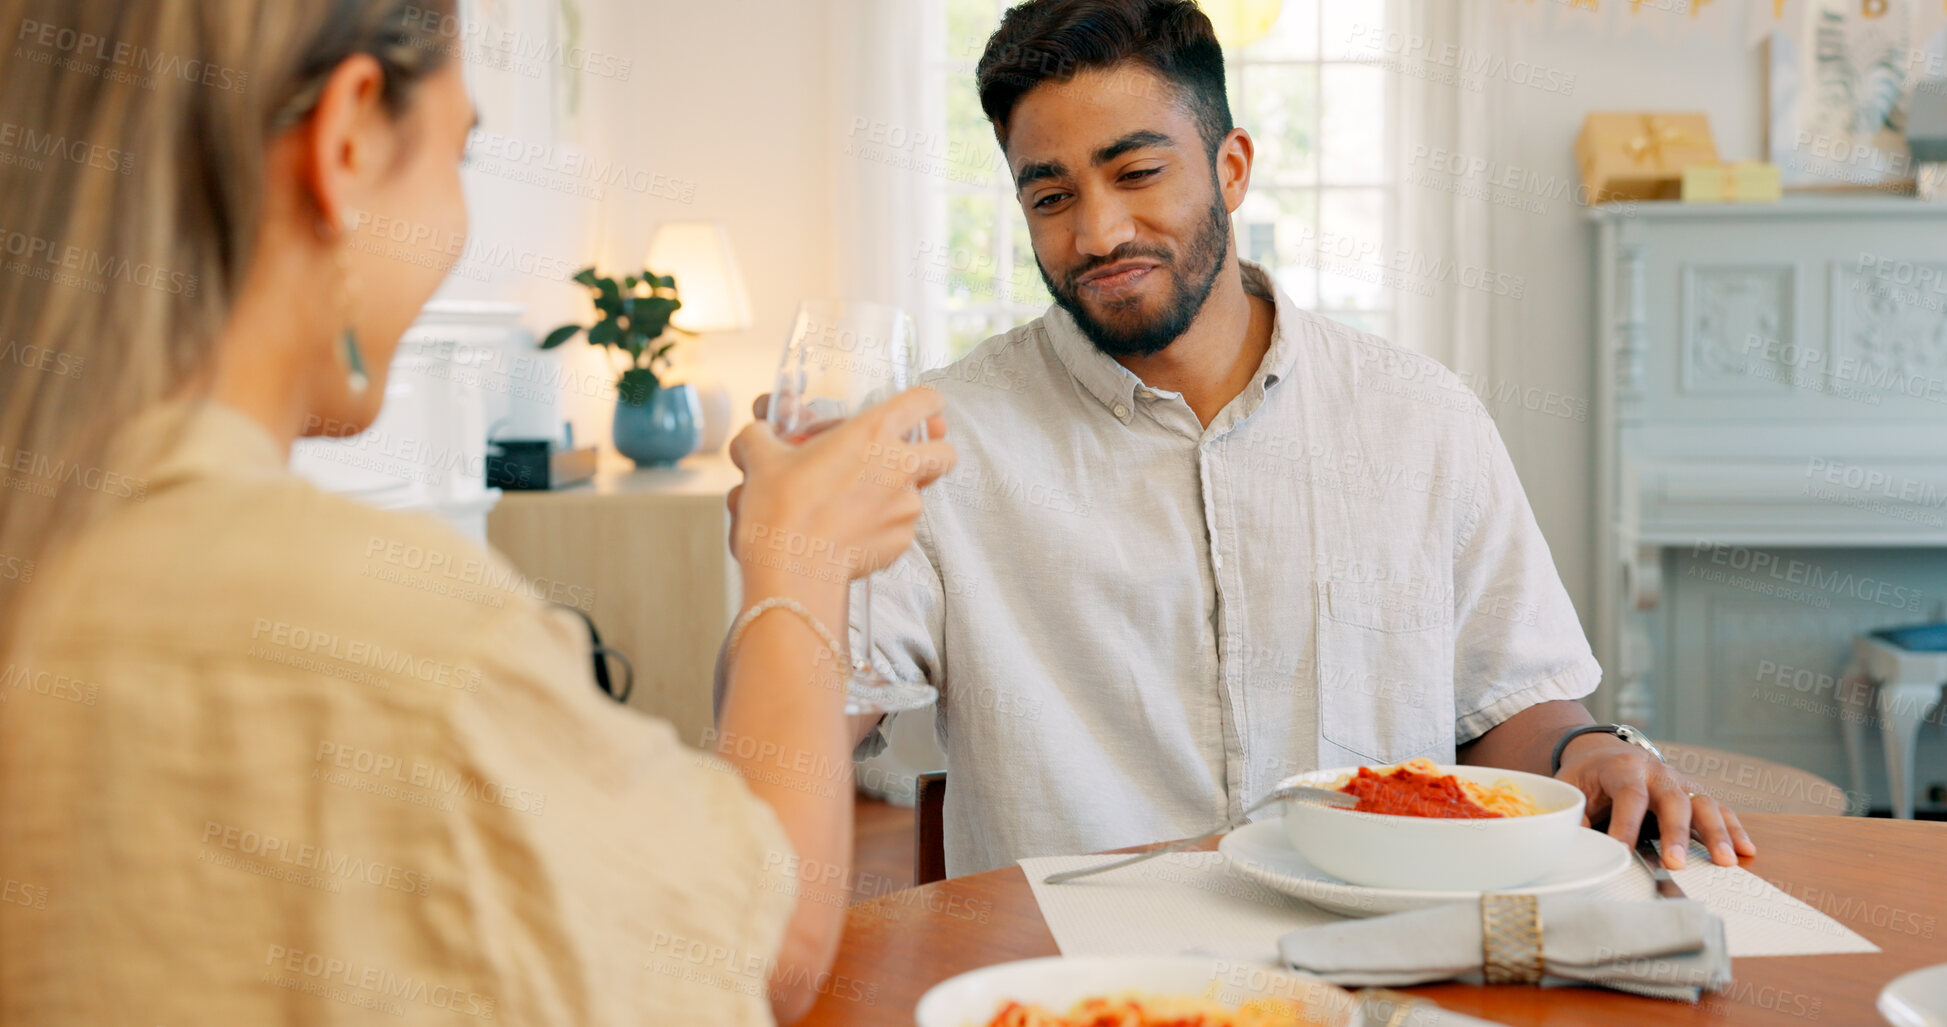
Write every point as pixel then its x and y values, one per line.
pixel 250 772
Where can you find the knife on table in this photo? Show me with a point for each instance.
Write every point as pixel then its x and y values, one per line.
pixel 1666 886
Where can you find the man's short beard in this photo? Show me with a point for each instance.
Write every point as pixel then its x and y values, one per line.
pixel 1195 276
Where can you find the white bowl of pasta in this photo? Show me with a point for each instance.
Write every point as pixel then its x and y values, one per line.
pixel 1139 991
pixel 1436 827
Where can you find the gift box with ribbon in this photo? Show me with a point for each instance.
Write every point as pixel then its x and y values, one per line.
pixel 1640 156
pixel 1750 181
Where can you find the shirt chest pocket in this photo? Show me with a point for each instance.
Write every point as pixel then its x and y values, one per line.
pixel 1385 674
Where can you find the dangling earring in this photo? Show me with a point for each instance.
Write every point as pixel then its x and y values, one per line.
pixel 348 350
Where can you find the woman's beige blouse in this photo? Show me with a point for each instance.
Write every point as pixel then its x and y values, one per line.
pixel 271 756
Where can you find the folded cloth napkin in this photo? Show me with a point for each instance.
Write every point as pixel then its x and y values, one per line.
pixel 1668 948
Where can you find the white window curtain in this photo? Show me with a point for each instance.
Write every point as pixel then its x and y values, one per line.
pixel 1454 325
pixel 888 110
pixel 889 132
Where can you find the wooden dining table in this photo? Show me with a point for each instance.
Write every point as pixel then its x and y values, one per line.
pixel 1885 879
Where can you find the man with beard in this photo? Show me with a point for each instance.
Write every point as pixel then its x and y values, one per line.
pixel 1199 539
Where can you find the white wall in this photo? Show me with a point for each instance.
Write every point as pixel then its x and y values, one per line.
pixel 721 114
pixel 1549 339
pixel 733 97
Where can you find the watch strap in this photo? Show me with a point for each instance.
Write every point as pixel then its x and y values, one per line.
pixel 1555 761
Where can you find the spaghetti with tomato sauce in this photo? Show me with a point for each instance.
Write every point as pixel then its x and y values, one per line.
pixel 1153 1011
pixel 1416 788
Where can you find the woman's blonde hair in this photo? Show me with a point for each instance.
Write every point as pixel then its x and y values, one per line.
pixel 133 136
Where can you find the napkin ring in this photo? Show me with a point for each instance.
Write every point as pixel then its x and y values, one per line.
pixel 1511 939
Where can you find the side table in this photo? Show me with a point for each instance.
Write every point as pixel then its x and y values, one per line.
pixel 649 549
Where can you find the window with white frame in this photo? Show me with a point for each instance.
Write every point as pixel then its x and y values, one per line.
pixel 1321 208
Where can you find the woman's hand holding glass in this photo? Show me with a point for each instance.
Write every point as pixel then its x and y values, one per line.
pixel 841 503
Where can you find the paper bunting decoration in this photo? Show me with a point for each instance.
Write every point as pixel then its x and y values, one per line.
pixel 1762 17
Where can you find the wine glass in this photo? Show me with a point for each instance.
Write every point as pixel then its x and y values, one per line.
pixel 844 356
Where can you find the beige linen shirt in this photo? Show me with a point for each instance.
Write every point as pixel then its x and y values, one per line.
pixel 271 756
pixel 1139 624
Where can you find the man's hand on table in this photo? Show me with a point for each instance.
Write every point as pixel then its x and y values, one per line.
pixel 1625 782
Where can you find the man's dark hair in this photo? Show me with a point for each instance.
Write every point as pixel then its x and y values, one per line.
pixel 1053 40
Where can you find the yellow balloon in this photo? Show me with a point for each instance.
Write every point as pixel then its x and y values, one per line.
pixel 1242 22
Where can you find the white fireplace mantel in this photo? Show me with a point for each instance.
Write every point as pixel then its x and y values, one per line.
pixel 1770 376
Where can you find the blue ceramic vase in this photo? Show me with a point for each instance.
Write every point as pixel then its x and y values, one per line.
pixel 661 431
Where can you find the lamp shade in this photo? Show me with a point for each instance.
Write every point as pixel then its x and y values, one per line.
pixel 1242 22
pixel 698 254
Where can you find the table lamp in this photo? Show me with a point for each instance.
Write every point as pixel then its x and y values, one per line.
pixel 698 255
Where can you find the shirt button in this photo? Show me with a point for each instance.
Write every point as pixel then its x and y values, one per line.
pixel 1121 412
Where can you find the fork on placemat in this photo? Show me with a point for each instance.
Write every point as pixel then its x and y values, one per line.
pixel 1298 793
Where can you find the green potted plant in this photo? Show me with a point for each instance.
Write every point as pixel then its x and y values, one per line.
pixel 655 424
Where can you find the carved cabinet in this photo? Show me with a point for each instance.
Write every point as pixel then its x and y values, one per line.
pixel 1771 459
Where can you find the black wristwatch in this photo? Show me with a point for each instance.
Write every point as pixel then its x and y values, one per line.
pixel 1633 736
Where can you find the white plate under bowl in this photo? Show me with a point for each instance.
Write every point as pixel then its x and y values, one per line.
pixel 1262 853
pixel 1918 999
pixel 1058 982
